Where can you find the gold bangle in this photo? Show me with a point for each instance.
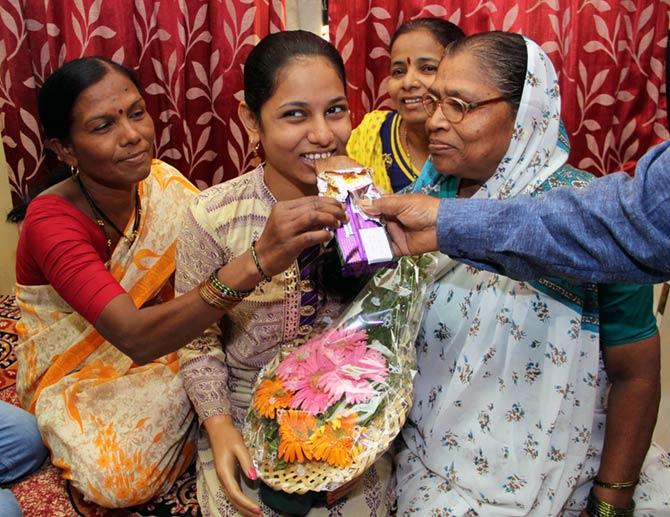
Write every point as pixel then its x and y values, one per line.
pixel 218 295
pixel 254 256
pixel 616 486
pixel 215 299
pixel 597 508
pixel 228 291
pixel 222 299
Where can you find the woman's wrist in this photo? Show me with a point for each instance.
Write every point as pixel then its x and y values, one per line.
pixel 598 506
pixel 615 497
pixel 241 273
pixel 218 421
pixel 260 269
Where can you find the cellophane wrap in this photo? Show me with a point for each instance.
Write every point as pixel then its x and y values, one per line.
pixel 362 242
pixel 325 410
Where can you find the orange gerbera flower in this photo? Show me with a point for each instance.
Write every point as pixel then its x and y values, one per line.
pixel 271 395
pixel 336 442
pixel 295 429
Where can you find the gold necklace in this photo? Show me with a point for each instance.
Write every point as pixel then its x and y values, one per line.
pixel 101 217
pixel 405 144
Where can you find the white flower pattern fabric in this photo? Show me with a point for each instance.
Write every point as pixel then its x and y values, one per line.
pixel 509 417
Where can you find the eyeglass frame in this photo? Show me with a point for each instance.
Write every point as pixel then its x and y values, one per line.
pixel 467 106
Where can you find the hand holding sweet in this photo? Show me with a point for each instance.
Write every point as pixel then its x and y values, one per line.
pixel 294 226
pixel 411 220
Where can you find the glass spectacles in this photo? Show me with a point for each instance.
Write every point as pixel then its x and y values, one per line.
pixel 453 108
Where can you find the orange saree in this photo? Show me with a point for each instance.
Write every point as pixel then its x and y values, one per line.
pixel 122 433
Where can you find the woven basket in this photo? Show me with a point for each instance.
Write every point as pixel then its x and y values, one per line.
pixel 380 431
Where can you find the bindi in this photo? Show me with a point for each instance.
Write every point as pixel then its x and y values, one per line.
pixel 120 111
pixel 409 60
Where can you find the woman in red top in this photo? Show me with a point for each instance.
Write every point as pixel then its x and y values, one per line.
pixel 94 266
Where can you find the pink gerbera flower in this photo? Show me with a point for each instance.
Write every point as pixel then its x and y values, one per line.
pixel 337 384
pixel 353 379
pixel 305 383
pixel 330 366
pixel 341 347
pixel 312 399
pixel 336 345
pixel 293 365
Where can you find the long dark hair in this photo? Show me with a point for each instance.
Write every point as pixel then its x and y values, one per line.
pixel 55 103
pixel 273 53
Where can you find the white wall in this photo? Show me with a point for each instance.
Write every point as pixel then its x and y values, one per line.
pixel 304 14
pixel 8 232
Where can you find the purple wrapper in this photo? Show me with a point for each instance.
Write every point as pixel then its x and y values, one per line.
pixel 363 244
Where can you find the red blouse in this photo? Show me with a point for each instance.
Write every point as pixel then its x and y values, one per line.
pixel 62 246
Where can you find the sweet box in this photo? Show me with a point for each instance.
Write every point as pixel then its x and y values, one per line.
pixel 363 243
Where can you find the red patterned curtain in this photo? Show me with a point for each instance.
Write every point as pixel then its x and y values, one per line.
pixel 187 53
pixel 609 54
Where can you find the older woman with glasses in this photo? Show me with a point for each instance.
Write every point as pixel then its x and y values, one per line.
pixel 515 412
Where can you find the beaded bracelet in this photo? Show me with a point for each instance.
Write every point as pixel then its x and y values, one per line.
pixel 254 256
pixel 228 291
pixel 218 295
pixel 214 298
pixel 616 486
pixel 597 508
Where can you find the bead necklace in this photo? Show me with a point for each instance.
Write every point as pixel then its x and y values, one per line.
pixel 102 217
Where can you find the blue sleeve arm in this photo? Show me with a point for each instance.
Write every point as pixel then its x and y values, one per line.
pixel 617 229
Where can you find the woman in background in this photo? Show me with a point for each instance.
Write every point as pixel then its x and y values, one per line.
pixel 395 143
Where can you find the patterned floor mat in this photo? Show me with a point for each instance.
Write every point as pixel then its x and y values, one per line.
pixel 45 493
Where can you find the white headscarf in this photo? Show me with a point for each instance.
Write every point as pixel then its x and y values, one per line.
pixel 534 153
pixel 536 150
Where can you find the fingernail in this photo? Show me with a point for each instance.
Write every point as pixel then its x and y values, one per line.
pixel 253 475
pixel 365 203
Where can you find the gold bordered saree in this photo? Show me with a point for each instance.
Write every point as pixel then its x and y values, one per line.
pixel 122 433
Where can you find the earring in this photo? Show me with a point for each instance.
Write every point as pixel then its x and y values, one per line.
pixel 256 147
pixel 74 170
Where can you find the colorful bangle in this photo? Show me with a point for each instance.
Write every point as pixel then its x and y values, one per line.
pixel 218 295
pixel 597 508
pixel 214 299
pixel 228 291
pixel 254 256
pixel 616 486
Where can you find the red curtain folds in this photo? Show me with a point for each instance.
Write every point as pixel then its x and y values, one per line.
pixel 188 55
pixel 609 54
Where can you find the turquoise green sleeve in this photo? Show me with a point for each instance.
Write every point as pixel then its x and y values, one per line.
pixel 626 313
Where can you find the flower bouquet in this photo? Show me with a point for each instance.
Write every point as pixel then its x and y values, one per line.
pixel 323 411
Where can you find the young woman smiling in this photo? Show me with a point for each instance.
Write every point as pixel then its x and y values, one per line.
pixel 295 106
